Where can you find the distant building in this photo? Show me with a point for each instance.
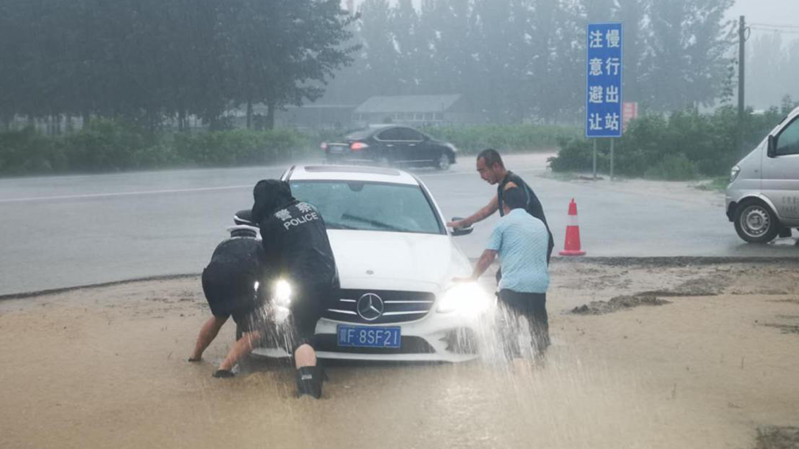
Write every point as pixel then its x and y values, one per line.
pixel 416 110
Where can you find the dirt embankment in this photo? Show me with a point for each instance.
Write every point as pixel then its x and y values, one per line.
pixel 712 366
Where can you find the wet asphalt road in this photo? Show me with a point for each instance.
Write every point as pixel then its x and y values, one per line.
pixel 58 232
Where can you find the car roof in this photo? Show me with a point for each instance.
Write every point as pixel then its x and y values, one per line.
pixel 349 173
pixel 371 130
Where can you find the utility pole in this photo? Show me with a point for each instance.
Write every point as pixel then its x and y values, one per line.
pixel 741 75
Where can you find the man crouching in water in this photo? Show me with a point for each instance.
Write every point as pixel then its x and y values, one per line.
pixel 233 284
pixel 298 255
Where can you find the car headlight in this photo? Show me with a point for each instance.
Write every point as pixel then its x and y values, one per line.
pixel 466 298
pixel 734 173
pixel 281 301
pixel 281 296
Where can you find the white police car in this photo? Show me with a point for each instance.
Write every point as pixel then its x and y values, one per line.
pixel 396 260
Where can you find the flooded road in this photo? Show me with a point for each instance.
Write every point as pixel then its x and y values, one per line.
pixel 106 367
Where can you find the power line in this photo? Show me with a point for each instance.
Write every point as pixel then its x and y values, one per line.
pixel 778 32
pixel 774 29
pixel 772 25
pixel 789 30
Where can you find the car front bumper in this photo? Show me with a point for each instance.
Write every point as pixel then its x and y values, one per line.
pixel 435 338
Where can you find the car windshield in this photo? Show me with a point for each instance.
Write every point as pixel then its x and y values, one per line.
pixel 370 206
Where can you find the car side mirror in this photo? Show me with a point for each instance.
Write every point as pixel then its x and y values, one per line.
pixel 772 146
pixel 457 232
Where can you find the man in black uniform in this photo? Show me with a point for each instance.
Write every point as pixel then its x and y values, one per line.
pixel 298 253
pixel 493 171
pixel 233 285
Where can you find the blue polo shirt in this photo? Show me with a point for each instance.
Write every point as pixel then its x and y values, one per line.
pixel 521 241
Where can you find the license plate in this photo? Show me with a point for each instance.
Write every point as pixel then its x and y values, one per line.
pixel 369 337
pixel 336 150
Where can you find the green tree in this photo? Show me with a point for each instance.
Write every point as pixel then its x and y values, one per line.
pixel 379 53
pixel 404 24
pixel 632 14
pixel 687 59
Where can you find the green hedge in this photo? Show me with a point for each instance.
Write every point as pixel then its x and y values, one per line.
pixel 682 146
pixel 105 145
pixel 504 138
pixel 240 147
pixel 685 145
pixel 108 146
pixel 27 151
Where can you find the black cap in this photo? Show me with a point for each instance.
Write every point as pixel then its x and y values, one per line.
pixel 270 195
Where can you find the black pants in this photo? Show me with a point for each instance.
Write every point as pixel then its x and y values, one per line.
pixel 231 294
pixel 532 307
pixel 308 303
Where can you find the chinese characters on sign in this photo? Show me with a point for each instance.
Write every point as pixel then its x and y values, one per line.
pixel 604 102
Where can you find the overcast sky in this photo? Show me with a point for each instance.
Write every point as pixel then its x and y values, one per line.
pixel 776 12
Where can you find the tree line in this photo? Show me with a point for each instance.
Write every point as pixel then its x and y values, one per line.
pixel 522 59
pixel 514 60
pixel 151 60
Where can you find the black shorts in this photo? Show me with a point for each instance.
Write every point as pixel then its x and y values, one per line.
pixel 231 296
pixel 532 307
pixel 248 320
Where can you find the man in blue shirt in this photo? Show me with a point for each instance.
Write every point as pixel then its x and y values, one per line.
pixel 522 243
pixel 493 171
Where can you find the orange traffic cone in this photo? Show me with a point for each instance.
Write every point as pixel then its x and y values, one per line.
pixel 572 245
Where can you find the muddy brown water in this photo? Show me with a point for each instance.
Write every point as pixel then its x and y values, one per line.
pixel 106 367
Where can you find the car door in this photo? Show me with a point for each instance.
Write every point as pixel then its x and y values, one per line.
pixel 391 145
pixel 414 144
pixel 781 173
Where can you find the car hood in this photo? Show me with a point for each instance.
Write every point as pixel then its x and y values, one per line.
pixel 396 260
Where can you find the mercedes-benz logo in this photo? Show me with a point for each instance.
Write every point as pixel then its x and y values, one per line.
pixel 370 306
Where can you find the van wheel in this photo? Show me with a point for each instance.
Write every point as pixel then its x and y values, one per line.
pixel 755 222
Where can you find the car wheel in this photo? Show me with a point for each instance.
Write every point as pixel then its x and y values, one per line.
pixel 755 222
pixel 442 163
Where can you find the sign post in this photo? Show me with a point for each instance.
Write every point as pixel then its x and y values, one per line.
pixel 603 111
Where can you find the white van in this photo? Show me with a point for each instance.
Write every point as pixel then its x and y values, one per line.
pixel 763 195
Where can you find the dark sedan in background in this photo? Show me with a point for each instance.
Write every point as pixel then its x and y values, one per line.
pixel 391 145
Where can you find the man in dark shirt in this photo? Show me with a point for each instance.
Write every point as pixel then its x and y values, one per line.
pixel 493 171
pixel 233 286
pixel 299 257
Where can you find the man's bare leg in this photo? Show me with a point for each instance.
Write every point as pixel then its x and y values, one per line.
pixel 309 375
pixel 207 334
pixel 304 356
pixel 241 348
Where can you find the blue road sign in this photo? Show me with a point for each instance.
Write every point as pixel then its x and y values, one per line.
pixel 603 102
